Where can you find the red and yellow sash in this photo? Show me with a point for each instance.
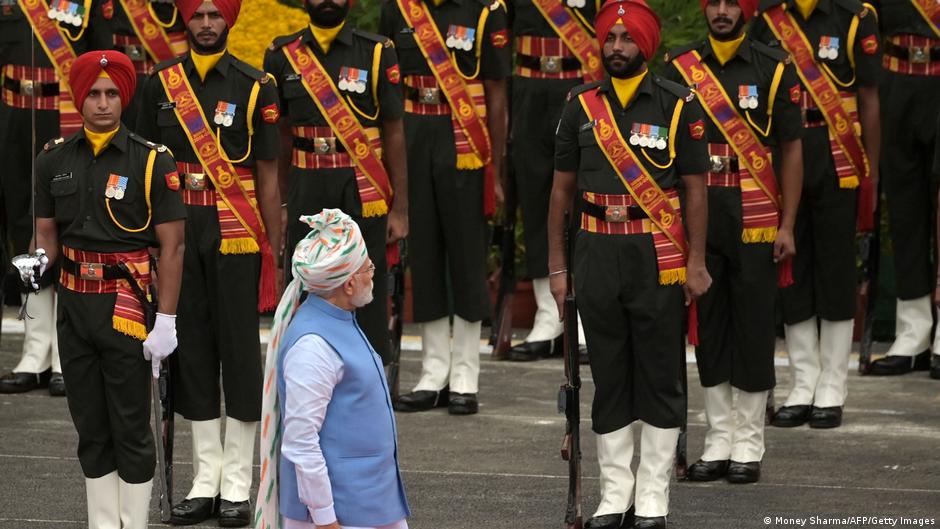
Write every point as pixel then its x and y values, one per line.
pixel 149 31
pixel 748 148
pixel 930 10
pixel 576 37
pixel 55 42
pixel 374 190
pixel 251 238
pixel 669 233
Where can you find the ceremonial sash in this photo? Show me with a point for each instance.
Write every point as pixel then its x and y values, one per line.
pixel 748 148
pixel 576 37
pixel 669 234
pixel 249 236
pixel 375 193
pixel 148 30
pixel 930 10
pixel 55 42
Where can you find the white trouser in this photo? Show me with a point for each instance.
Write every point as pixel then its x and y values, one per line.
pixel 458 366
pixel 237 457
pixel 835 344
pixel 135 504
pixel 435 365
pixel 802 340
pixel 465 358
pixel 103 497
pixel 936 339
pixel 614 456
pixel 207 459
pixel 41 341
pixel 912 327
pixel 720 414
pixel 748 441
pixel 546 325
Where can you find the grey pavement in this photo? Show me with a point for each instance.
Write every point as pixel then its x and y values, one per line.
pixel 501 468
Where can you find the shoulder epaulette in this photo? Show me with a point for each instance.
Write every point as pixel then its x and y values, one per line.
pixel 777 54
pixel 249 70
pixel 676 89
pixel 169 62
pixel 52 144
pixel 149 144
pixel 283 40
pixel 580 89
pixel 853 6
pixel 374 37
pixel 675 52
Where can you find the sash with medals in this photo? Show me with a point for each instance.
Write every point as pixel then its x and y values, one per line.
pixel 575 36
pixel 374 190
pixel 668 231
pixel 826 96
pixel 148 30
pixel 55 42
pixel 248 234
pixel 930 10
pixel 758 225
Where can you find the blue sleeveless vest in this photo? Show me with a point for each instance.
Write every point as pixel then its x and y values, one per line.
pixel 358 437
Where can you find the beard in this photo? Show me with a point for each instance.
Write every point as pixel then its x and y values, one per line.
pixel 629 68
pixel 363 297
pixel 732 33
pixel 327 14
pixel 219 45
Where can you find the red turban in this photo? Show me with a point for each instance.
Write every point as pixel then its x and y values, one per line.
pixel 86 69
pixel 748 8
pixel 227 8
pixel 641 22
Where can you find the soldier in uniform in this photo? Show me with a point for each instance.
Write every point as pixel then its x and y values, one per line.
pixel 751 95
pixel 625 145
pixel 104 196
pixel 909 86
pixel 555 51
pixel 34 81
pixel 454 54
pixel 320 173
pixel 834 44
pixel 219 117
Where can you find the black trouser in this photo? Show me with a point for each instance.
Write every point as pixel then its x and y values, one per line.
pixel 736 315
pixel 217 326
pixel 910 106
pixel 447 228
pixel 635 330
pixel 824 265
pixel 311 191
pixel 108 390
pixel 536 109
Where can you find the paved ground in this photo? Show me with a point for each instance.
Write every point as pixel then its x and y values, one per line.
pixel 500 469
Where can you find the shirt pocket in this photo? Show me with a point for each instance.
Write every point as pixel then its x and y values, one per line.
pixel 65 196
pixel 592 158
pixel 300 106
pixel 166 118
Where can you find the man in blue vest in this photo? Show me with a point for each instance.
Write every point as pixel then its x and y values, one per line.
pixel 339 456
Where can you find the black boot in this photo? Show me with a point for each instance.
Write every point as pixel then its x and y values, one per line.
pixel 605 521
pixel 744 472
pixel 935 366
pixel 707 470
pixel 530 351
pixel 830 417
pixel 23 382
pixel 57 385
pixel 234 513
pixel 900 365
pixel 656 522
pixel 422 400
pixel 463 404
pixel 790 416
pixel 193 510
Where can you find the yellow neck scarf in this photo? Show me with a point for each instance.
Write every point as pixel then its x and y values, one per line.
pixel 806 7
pixel 626 88
pixel 725 49
pixel 204 63
pixel 99 140
pixel 326 36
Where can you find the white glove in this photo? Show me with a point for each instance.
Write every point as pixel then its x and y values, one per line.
pixel 26 265
pixel 161 342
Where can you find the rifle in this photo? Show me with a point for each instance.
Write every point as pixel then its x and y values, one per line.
pixel 161 391
pixel 569 403
pixel 504 235
pixel 395 258
pixel 682 464
pixel 869 250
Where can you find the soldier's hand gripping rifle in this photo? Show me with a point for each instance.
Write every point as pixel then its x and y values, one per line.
pixel 395 258
pixel 569 402
pixel 162 394
pixel 869 250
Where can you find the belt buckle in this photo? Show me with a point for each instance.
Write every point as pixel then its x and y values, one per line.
pixel 134 52
pixel 324 145
pixel 550 64
pixel 429 96
pixel 27 87
pixel 719 164
pixel 918 55
pixel 196 181
pixel 616 213
pixel 91 271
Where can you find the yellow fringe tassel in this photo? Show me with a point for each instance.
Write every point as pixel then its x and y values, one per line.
pixel 239 245
pixel 469 161
pixel 374 208
pixel 848 182
pixel 129 327
pixel 672 276
pixel 752 235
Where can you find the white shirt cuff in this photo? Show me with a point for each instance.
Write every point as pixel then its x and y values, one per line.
pixel 323 516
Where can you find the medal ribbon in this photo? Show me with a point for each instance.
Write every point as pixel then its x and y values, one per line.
pixel 641 186
pixel 374 191
pixel 151 35
pixel 61 54
pixel 224 176
pixel 930 10
pixel 575 36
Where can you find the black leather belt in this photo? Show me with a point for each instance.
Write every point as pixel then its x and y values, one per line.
pixel 27 88
pixel 814 115
pixel 548 64
pixel 92 271
pixel 319 145
pixel 913 54
pixel 614 213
